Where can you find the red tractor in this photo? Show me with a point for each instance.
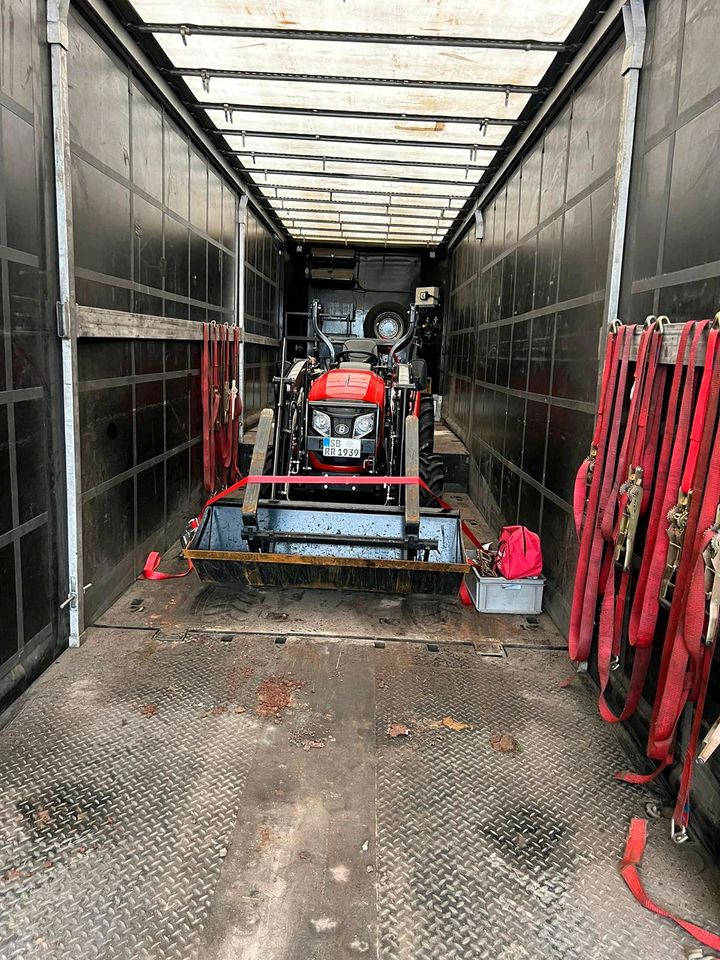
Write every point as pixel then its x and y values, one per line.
pixel 360 414
pixel 347 415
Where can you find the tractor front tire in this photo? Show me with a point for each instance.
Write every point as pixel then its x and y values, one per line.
pixel 427 423
pixel 432 473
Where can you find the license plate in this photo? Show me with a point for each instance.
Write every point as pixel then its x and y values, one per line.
pixel 338 447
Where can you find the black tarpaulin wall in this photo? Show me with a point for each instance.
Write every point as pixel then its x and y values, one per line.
pixel 31 565
pixel 155 233
pixel 523 325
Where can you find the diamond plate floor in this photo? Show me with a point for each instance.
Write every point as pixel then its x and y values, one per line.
pixel 486 854
pixel 235 798
pixel 119 788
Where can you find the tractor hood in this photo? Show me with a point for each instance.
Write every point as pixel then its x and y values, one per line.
pixel 362 385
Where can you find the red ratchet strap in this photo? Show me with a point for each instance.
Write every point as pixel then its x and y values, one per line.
pixel 235 405
pixel 150 571
pixel 701 516
pixel 700 639
pixel 632 858
pixel 638 419
pixel 208 469
pixel 686 672
pixel 580 491
pixel 214 399
pixel 587 577
pixel 638 457
pixel 221 406
pixel 646 606
pixel 361 481
pixel 679 673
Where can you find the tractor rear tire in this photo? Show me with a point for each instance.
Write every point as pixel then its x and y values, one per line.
pixel 427 423
pixel 432 472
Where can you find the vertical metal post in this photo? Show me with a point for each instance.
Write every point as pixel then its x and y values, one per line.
pixel 57 37
pixel 240 300
pixel 633 12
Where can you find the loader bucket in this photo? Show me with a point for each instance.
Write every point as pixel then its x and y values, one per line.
pixel 284 543
pixel 347 547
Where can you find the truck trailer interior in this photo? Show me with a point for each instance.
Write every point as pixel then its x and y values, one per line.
pixel 360 475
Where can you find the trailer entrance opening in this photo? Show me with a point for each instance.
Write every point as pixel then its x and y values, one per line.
pixel 342 245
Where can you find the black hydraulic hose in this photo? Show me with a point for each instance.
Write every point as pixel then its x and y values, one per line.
pixel 328 343
pixel 407 338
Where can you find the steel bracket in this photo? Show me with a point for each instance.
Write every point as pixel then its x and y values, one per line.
pixel 633 12
pixel 63 314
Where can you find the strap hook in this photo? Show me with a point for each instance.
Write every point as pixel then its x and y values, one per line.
pixel 678 834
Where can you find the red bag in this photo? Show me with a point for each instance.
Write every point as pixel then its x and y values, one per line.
pixel 519 553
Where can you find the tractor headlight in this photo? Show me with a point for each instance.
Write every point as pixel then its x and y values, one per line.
pixel 364 425
pixel 321 423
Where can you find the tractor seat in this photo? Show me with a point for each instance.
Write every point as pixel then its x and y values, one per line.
pixel 358 351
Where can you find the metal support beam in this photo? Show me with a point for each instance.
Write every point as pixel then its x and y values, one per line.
pixel 206 74
pixel 473 148
pixel 187 30
pixel 369 236
pixel 334 175
pixel 384 210
pixel 262 341
pixel 431 227
pixel 240 301
pixel 57 38
pixel 98 322
pixel 363 241
pixel 304 222
pixel 251 154
pixel 229 109
pixel 633 12
pixel 362 193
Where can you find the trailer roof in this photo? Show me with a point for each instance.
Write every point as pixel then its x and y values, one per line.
pixel 363 120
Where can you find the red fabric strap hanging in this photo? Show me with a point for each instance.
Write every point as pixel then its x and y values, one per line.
pixel 678 672
pixel 208 468
pixel 221 404
pixel 646 606
pixel 639 453
pixel 607 386
pixel 629 871
pixel 589 564
pixel 670 698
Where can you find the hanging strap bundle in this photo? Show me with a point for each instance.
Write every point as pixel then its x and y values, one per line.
pixel 221 404
pixel 690 539
pixel 619 485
